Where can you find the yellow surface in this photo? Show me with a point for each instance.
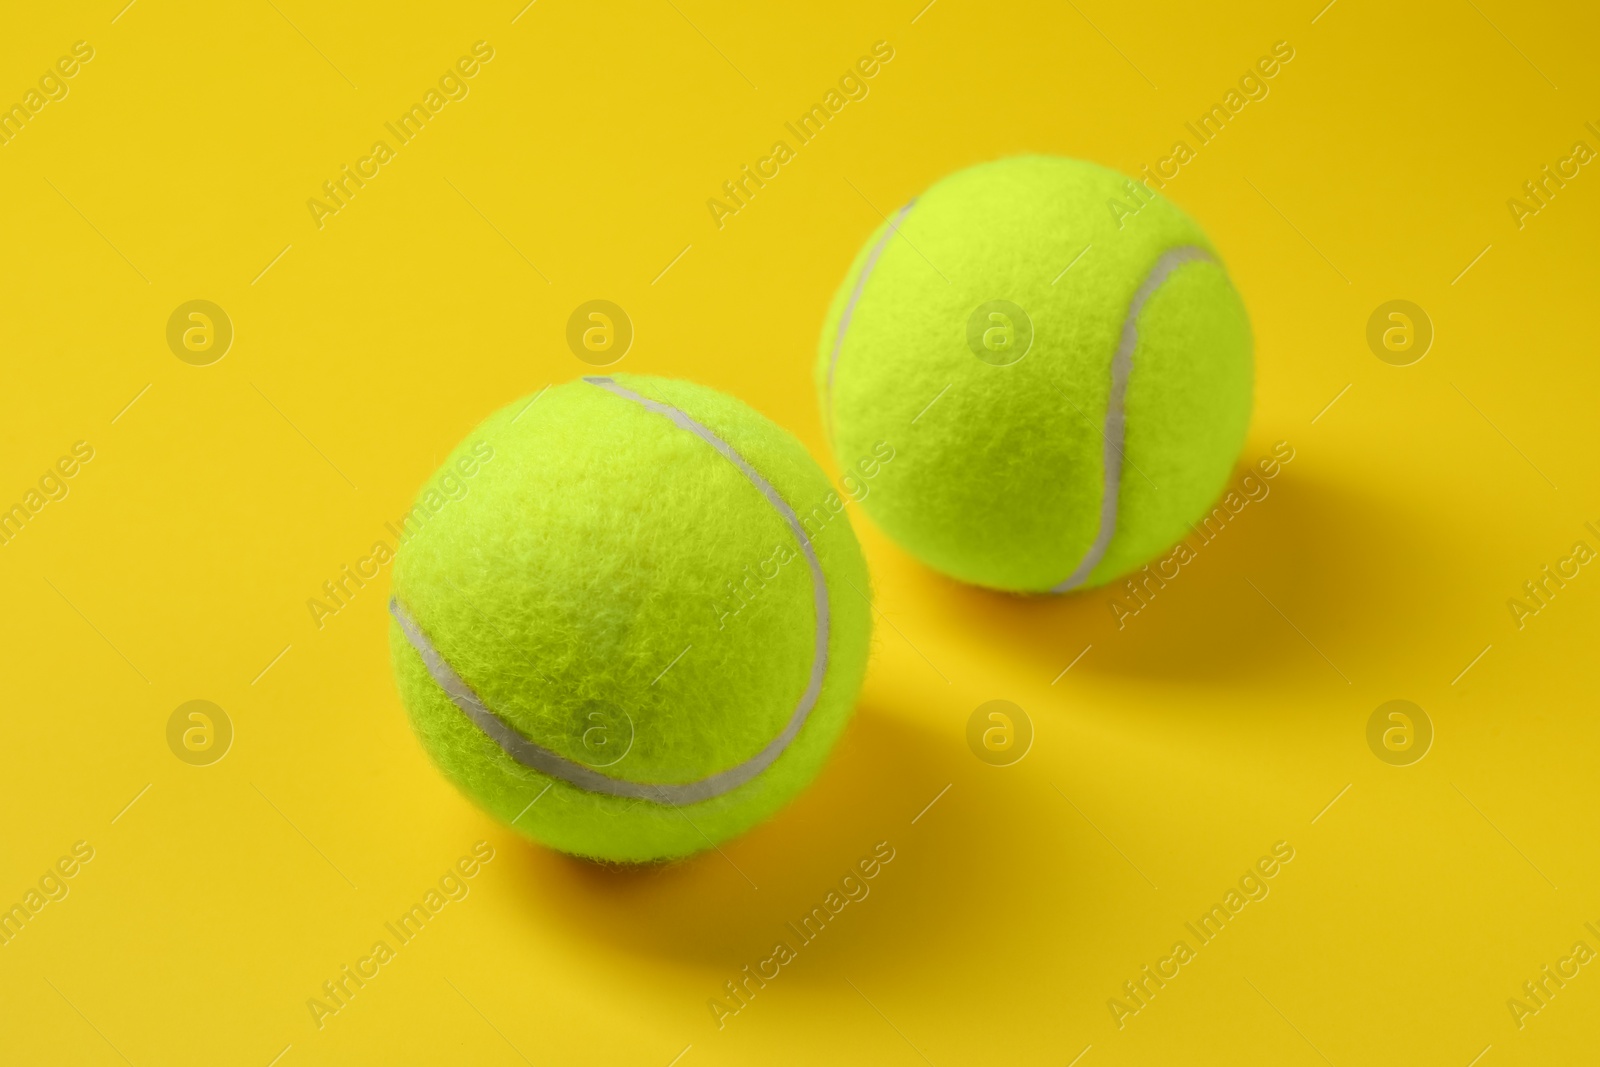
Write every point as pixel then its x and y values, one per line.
pixel 1225 717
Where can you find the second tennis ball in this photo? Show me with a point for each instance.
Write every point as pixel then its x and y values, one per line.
pixel 629 618
pixel 1060 363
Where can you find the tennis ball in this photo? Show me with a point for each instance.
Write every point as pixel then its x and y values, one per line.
pixel 629 617
pixel 1060 363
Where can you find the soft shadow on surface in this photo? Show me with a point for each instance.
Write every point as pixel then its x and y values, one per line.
pixel 726 906
pixel 971 843
pixel 1292 578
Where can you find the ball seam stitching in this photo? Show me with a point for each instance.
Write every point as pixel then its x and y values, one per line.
pixel 535 756
pixel 855 296
pixel 1115 427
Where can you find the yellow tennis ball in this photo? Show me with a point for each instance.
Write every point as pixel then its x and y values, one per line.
pixel 1060 363
pixel 639 628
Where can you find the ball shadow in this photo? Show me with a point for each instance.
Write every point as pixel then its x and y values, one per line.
pixel 726 907
pixel 1285 586
pixel 951 821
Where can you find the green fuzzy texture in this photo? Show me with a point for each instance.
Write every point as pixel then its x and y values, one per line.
pixel 1000 482
pixel 564 558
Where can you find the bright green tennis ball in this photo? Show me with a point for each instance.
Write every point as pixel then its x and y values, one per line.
pixel 630 617
pixel 1060 364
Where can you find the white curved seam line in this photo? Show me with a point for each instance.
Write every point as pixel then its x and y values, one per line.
pixel 855 296
pixel 539 758
pixel 1116 421
pixel 819 585
pixel 514 744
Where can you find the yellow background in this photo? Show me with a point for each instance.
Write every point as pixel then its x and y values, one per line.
pixel 1171 756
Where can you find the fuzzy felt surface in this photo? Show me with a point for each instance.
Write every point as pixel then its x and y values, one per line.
pixel 618 591
pixel 1000 481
